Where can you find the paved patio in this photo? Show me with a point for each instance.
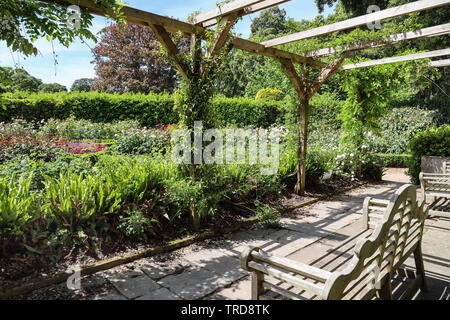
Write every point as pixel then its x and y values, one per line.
pixel 211 270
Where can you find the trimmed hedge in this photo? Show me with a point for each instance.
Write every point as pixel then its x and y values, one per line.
pixel 247 112
pixel 431 142
pixel 393 160
pixel 150 110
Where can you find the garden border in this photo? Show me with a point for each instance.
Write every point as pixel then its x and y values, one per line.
pixel 102 265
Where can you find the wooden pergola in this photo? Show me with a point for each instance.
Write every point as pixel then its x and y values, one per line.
pixel 305 87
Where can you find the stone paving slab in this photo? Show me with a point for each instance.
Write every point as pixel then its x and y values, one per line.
pixel 160 294
pixel 237 291
pixel 159 269
pixel 133 284
pixel 218 261
pixel 194 283
pixel 309 253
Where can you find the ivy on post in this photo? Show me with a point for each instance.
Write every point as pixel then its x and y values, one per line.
pixel 199 68
pixel 306 89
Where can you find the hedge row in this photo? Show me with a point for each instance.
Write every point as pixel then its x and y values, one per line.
pixel 149 110
pixel 431 142
pixel 394 160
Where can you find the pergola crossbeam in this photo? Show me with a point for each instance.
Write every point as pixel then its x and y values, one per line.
pixel 221 37
pixel 164 38
pixel 439 63
pixel 410 57
pixel 248 10
pixel 434 31
pixel 146 19
pixel 224 10
pixel 408 8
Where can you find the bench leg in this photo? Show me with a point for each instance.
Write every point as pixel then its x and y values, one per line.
pixel 386 289
pixel 420 269
pixel 257 285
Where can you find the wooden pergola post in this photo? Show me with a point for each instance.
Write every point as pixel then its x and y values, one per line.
pixel 305 91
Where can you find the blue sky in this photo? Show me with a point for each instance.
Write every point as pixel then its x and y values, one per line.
pixel 75 62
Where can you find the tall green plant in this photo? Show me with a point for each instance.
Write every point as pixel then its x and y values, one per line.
pixel 17 205
pixel 74 200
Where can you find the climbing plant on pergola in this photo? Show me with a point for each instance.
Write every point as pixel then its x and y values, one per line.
pixel 296 66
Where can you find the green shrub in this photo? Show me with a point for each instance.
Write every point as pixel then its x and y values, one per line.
pixel 393 160
pixel 85 129
pixel 243 112
pixel 149 110
pixel 398 127
pixel 315 166
pixel 78 200
pixel 316 162
pixel 323 112
pixel 431 142
pixel 268 217
pixel 136 225
pixel 269 94
pixel 142 142
pixel 17 206
pixel 359 164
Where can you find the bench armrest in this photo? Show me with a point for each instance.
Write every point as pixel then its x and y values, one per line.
pixel 311 279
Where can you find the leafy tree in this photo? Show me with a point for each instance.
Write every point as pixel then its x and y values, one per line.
pixel 52 87
pixel 271 22
pixel 246 73
pixel 82 85
pixel 130 61
pixel 18 79
pixel 356 7
pixel 24 21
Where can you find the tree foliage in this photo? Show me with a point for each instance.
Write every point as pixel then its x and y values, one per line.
pixel 17 79
pixel 130 61
pixel 24 21
pixel 52 87
pixel 369 92
pixel 82 85
pixel 271 22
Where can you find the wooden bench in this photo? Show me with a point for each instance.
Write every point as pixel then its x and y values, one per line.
pixel 361 267
pixel 437 185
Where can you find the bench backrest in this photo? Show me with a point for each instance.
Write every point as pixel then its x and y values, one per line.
pixel 394 238
pixel 446 167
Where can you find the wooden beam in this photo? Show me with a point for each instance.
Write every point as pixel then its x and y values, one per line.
pixel 410 57
pixel 292 74
pixel 146 19
pixel 359 21
pixel 326 74
pixel 439 63
pixel 221 37
pixel 228 8
pixel 164 38
pixel 249 10
pixel 434 31
pixel 259 49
